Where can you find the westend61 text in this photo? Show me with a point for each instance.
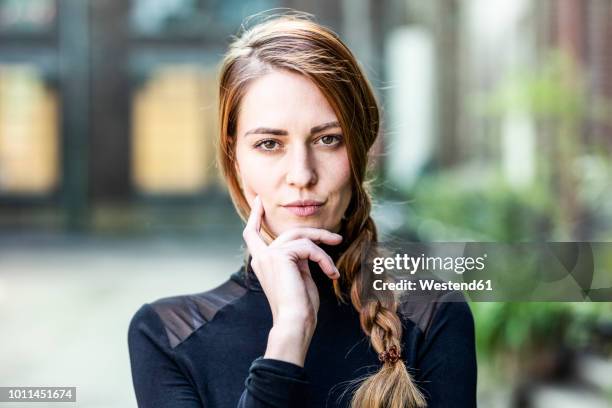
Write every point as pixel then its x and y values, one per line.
pixel 430 284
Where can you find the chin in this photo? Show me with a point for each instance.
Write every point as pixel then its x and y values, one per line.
pixel 304 223
pixel 287 225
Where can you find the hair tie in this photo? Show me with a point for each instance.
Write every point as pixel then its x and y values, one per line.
pixel 390 356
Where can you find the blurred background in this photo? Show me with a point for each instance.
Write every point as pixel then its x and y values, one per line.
pixel 498 127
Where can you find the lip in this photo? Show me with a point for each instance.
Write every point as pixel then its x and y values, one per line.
pixel 304 208
pixel 303 203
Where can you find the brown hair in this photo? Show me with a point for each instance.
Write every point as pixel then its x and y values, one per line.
pixel 294 42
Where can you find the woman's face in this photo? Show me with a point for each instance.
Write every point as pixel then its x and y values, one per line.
pixel 289 149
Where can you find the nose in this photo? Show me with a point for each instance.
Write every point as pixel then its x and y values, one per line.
pixel 301 171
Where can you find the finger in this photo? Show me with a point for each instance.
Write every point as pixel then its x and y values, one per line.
pixel 303 266
pixel 251 234
pixel 311 287
pixel 306 249
pixel 313 234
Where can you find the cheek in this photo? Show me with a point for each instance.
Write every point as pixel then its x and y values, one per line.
pixel 342 169
pixel 340 181
pixel 253 177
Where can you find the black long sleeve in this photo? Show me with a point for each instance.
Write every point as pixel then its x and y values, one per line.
pixel 447 361
pixel 275 383
pixel 159 381
pixel 205 350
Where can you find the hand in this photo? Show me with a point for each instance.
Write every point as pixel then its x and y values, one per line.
pixel 282 270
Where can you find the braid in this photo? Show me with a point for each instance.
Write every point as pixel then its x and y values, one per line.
pixel 392 386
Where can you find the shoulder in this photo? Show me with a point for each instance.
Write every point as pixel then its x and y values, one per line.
pixel 427 311
pixel 177 317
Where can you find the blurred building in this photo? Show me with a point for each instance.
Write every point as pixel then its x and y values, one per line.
pixel 112 103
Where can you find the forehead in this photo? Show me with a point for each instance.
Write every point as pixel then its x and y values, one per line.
pixel 283 99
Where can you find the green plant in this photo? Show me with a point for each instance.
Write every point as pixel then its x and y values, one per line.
pixel 526 331
pixel 449 206
pixel 555 97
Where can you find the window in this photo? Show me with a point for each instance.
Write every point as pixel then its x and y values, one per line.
pixel 173 130
pixel 27 16
pixel 29 145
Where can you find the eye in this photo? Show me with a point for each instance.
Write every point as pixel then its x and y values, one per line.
pixel 330 140
pixel 267 145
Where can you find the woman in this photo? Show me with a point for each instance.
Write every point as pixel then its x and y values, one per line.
pixel 296 326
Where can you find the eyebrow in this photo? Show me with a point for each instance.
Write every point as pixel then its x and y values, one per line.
pixel 281 132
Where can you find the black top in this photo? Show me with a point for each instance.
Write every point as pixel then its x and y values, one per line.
pixel 205 350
